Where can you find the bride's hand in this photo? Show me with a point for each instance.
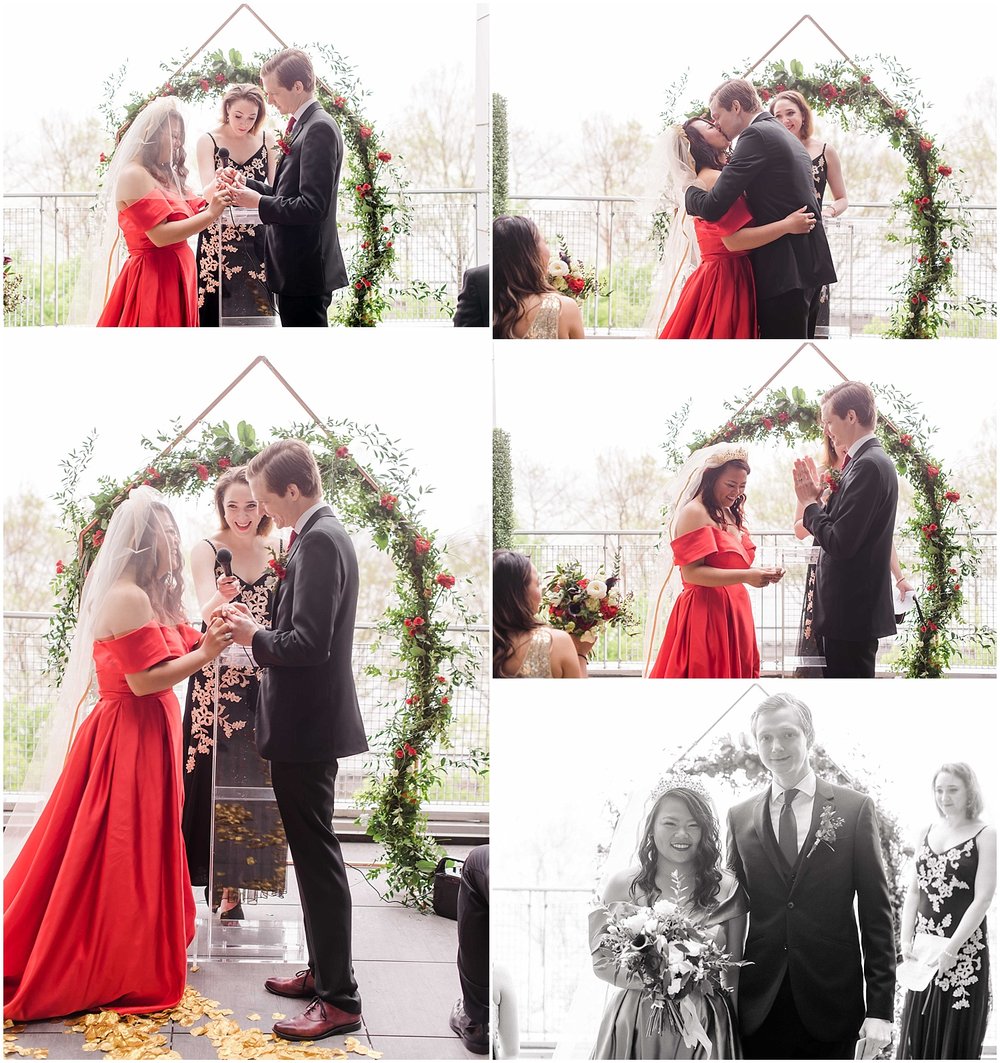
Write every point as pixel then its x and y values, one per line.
pixel 800 221
pixel 762 577
pixel 220 198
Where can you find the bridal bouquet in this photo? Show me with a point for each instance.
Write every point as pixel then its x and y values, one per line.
pixel 583 605
pixel 573 278
pixel 672 956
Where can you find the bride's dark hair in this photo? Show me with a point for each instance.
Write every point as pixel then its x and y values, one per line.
pixel 149 156
pixel 707 861
pixel 518 271
pixel 707 495
pixel 165 593
pixel 704 155
pixel 511 613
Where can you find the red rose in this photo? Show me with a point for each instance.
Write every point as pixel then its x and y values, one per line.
pixel 932 586
pixel 418 621
pixel 900 114
pixel 285 149
pixel 922 259
pixel 60 568
pixel 366 282
pixel 387 501
pixel 205 85
pixel 409 749
pixel 224 463
pixel 421 546
pixel 407 622
pixel 220 79
pixel 399 754
pixel 104 157
pixel 338 102
pixel 202 471
pixel 576 284
pixel 168 89
pixel 953 571
pixel 779 88
pixel 958 586
pixel 767 423
pixel 865 79
pixel 952 496
pixel 384 156
pixel 947 260
pixel 385 228
pixel 98 537
pixel 388 243
pixel 944 171
pixel 278 568
pixel 445 579
pixel 364 132
pixel 765 95
pixel 932 471
pixel 582 582
pixel 342 452
pixel 926 145
pixel 905 439
pixel 782 417
pixel 358 285
pixel 441 679
pixel 364 245
pixel 829 92
pixel 444 701
pixel 932 626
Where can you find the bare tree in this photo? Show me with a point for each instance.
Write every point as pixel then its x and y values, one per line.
pixel 32 545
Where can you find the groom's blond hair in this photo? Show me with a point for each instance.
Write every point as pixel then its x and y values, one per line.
pixel 289 461
pixel 786 701
pixel 852 395
pixel 736 90
pixel 289 66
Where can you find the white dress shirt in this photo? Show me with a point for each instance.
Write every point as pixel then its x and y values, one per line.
pixel 304 519
pixel 858 443
pixel 802 805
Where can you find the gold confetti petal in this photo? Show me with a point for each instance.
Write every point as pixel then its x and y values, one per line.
pixel 277 1014
pixel 253 1016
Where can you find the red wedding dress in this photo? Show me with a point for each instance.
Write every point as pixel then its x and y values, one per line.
pixel 98 909
pixel 158 286
pixel 710 634
pixel 718 300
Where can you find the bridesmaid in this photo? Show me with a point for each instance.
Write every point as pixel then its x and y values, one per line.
pixel 951 890
pixel 252 153
pixel 524 647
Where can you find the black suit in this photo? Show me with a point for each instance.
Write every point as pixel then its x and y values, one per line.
pixel 807 993
pixel 307 717
pixel 853 605
pixel 473 310
pixel 773 169
pixel 303 259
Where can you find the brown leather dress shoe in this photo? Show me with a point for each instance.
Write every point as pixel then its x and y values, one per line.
pixel 320 1019
pixel 301 984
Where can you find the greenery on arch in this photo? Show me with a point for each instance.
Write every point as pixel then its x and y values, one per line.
pixel 379 210
pixel 430 664
pixel 932 200
pixel 948 556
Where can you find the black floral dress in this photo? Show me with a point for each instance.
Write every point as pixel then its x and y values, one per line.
pixel 948 1019
pixel 244 288
pixel 819 179
pixel 250 846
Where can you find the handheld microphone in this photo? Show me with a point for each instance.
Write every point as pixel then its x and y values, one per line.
pixel 225 559
pixel 223 154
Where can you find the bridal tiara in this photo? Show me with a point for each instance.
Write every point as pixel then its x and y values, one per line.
pixel 680 780
pixel 734 453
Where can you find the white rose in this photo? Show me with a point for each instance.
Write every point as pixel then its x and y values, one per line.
pixel 675 986
pixel 664 907
pixel 635 923
pixel 674 956
pixel 597 588
pixel 694 948
pixel 558 268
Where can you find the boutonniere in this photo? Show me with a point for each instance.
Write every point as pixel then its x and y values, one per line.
pixel 283 145
pixel 828 827
pixel 277 565
pixel 832 479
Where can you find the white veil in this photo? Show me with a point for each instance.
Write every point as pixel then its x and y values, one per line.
pixel 683 487
pixel 672 173
pixel 591 996
pixel 140 527
pixel 139 144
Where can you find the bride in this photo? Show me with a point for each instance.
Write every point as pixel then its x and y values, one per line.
pixel 678 858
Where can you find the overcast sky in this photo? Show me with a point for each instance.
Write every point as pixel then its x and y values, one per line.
pixel 557 65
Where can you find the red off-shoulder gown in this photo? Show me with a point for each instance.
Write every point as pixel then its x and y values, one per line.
pixel 718 301
pixel 98 909
pixel 158 286
pixel 710 634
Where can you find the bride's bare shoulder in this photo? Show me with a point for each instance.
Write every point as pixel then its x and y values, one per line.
pixel 619 887
pixel 125 608
pixel 693 515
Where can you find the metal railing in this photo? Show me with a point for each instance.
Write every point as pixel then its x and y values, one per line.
pixel 613 233
pixel 777 609
pixel 46 234
pixel 29 694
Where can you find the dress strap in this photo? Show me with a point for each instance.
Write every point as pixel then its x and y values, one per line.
pixel 215 147
pixel 213 546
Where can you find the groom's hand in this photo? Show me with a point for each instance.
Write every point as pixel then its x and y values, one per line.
pixel 807 486
pixel 245 197
pixel 243 625
pixel 878 1032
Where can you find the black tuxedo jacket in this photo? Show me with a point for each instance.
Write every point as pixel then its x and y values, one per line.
pixel 473 310
pixel 802 919
pixel 302 250
pixel 308 707
pixel 853 590
pixel 772 167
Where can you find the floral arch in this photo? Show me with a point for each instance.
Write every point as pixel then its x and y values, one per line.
pixel 379 214
pixel 948 559
pixel 932 201
pixel 430 665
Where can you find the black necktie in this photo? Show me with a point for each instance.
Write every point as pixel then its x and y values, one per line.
pixel 788 832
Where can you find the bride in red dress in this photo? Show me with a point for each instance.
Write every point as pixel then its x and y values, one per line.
pixel 156 213
pixel 98 909
pixel 717 301
pixel 710 633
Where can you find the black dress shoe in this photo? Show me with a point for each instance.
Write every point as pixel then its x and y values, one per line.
pixel 475 1036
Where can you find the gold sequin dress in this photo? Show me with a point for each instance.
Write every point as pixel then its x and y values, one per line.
pixel 546 323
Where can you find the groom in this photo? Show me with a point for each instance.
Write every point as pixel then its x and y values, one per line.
pixel 853 605
pixel 805 851
pixel 303 260
pixel 307 718
pixel 773 169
